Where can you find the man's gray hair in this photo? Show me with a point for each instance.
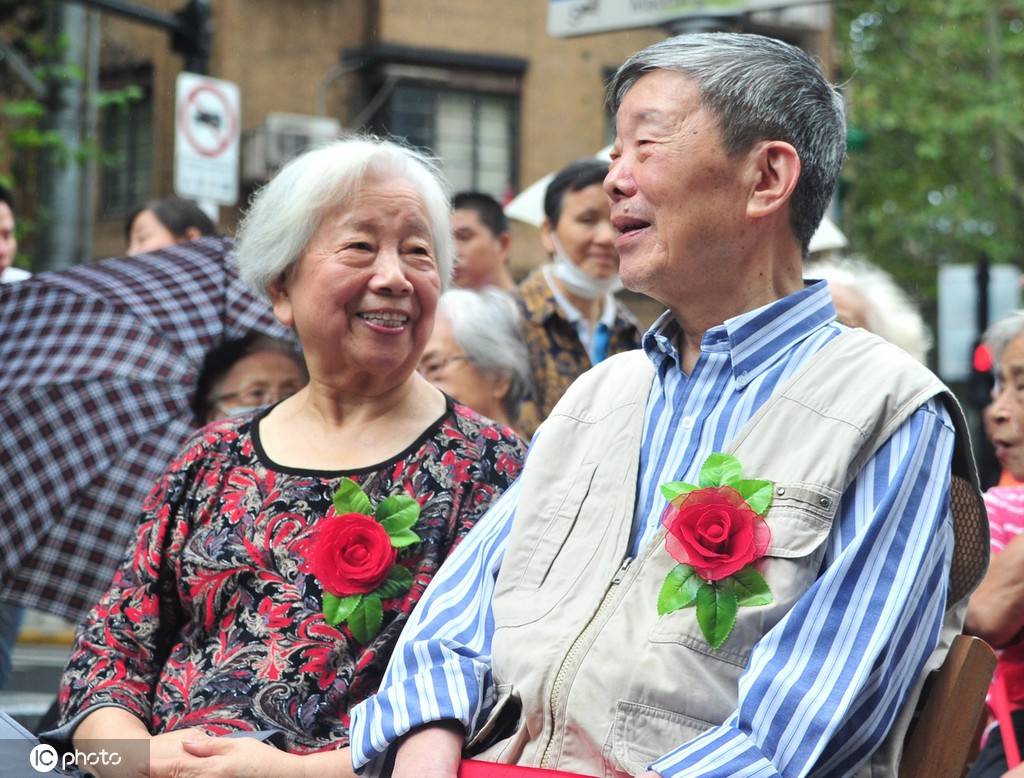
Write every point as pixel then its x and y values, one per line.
pixel 487 326
pixel 1001 333
pixel 759 89
pixel 286 213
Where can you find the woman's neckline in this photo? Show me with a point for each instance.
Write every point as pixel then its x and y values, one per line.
pixel 277 467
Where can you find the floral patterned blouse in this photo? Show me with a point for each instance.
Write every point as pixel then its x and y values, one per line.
pixel 211 621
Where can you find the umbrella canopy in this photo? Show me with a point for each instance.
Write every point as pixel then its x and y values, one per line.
pixel 528 206
pixel 97 365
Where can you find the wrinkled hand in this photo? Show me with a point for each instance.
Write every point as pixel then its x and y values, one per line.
pixel 202 756
pixel 1016 772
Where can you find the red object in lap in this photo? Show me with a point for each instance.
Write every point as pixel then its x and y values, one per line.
pixel 471 768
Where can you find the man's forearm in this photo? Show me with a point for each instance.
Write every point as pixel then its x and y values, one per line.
pixel 433 751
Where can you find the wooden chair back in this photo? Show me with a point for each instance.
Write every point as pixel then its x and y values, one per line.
pixel 943 739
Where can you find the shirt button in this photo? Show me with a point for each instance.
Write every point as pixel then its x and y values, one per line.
pixel 687 422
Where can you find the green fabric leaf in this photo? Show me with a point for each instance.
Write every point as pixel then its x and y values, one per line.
pixel 349 498
pixel 337 609
pixel 750 587
pixel 397 513
pixel 716 613
pixel 720 470
pixel 365 620
pixel 405 537
pixel 399 581
pixel 679 589
pixel 758 494
pixel 673 489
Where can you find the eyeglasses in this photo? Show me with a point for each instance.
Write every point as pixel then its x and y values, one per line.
pixel 433 368
pixel 255 396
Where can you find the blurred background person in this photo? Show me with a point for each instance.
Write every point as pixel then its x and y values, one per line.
pixel 244 374
pixel 996 609
pixel 866 296
pixel 572 319
pixel 8 246
pixel 162 223
pixel 482 242
pixel 476 353
pixel 352 243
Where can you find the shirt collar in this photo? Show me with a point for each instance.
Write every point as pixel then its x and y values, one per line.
pixel 570 312
pixel 753 340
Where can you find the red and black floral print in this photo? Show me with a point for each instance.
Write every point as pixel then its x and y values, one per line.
pixel 224 533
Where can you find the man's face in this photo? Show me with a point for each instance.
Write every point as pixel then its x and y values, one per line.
pixel 480 254
pixel 678 199
pixel 8 244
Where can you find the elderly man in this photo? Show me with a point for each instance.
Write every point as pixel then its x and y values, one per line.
pixel 730 552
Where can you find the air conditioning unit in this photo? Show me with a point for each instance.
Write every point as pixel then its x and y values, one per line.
pixel 280 138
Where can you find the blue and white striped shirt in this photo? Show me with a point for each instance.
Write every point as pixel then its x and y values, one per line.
pixel 824 685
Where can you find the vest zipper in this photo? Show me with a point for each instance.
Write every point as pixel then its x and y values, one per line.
pixel 569 663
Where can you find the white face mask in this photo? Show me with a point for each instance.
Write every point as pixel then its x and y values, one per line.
pixel 576 281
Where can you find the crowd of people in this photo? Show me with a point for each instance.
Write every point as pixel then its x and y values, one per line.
pixel 475 518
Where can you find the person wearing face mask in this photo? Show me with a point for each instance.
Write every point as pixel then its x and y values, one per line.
pixel 572 320
pixel 244 374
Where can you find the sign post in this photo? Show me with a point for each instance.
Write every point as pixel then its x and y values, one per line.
pixel 206 141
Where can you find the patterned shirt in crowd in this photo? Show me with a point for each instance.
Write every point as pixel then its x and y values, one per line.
pixel 557 357
pixel 820 689
pixel 251 649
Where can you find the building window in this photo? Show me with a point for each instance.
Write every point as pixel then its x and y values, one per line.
pixel 128 152
pixel 472 133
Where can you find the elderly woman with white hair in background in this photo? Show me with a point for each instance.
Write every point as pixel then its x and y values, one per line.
pixel 279 557
pixel 477 354
pixel 866 296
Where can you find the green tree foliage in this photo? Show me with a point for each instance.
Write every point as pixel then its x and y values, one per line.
pixel 936 102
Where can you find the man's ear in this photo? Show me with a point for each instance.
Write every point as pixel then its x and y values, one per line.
pixel 192 233
pixel 546 234
pixel 505 246
pixel 775 171
pixel 280 301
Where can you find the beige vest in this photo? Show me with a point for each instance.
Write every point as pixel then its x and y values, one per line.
pixel 588 677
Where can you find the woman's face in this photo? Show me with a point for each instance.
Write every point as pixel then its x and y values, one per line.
pixel 1004 418
pixel 362 297
pixel 446 366
pixel 585 231
pixel 260 378
pixel 148 233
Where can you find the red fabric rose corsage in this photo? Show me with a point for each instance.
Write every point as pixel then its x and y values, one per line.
pixel 716 531
pixel 353 556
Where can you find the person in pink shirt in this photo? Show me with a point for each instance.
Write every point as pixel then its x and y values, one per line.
pixel 996 610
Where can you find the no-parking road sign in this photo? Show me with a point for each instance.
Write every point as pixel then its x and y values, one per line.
pixel 206 139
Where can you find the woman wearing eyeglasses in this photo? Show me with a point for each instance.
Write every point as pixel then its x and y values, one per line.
pixel 221 620
pixel 245 374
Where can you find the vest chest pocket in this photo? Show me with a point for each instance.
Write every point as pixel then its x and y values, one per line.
pixel 800 520
pixel 535 573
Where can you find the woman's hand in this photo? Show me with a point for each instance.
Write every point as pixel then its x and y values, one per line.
pixel 433 751
pixel 202 756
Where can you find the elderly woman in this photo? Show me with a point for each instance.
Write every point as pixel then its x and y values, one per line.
pixel 572 319
pixel 996 609
pixel 866 296
pixel 476 353
pixel 248 604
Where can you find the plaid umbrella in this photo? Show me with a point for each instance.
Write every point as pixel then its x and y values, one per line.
pixel 97 364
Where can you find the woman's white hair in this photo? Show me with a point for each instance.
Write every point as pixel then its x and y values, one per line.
pixel 285 214
pixel 890 312
pixel 486 325
pixel 1001 333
